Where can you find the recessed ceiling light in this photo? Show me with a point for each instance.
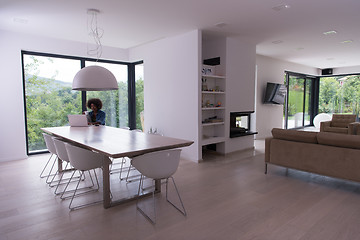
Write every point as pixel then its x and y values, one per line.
pixel 281 7
pixel 347 41
pixel 21 20
pixel 330 59
pixel 220 25
pixel 277 42
pixel 330 32
pixel 300 48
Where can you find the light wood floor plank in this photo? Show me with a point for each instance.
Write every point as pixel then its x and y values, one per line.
pixel 226 197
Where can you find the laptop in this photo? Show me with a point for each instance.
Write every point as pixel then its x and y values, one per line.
pixel 79 120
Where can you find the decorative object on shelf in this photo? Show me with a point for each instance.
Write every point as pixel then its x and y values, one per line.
pixel 94 78
pixel 214 119
pixel 208 70
pixel 204 86
pixel 218 104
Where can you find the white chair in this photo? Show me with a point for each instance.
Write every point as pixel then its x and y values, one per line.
pixel 158 165
pixel 51 147
pixel 83 160
pixel 63 155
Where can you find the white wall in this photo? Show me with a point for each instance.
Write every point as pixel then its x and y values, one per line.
pixel 346 70
pixel 269 116
pixel 240 87
pixel 12 129
pixel 171 83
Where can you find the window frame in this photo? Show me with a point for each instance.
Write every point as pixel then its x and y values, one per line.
pixel 131 87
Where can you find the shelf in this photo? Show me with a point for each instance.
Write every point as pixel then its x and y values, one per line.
pixel 212 124
pixel 244 134
pixel 213 140
pixel 213 108
pixel 212 92
pixel 214 76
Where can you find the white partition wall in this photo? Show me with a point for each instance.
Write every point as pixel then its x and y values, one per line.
pixel 172 73
pixel 240 71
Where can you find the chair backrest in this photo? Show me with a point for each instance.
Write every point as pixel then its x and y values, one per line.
pixel 342 120
pixel 60 149
pixel 83 159
pixel 158 165
pixel 49 143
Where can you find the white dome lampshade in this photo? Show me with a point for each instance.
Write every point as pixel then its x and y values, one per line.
pixel 94 78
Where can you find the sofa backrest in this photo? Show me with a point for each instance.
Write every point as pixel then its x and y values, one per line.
pixel 342 120
pixel 339 140
pixel 294 135
pixel 324 138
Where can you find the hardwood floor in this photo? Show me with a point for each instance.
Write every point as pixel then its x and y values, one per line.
pixel 226 197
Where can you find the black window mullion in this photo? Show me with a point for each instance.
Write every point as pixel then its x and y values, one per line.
pixel 287 100
pixel 132 96
pixel 304 103
pixel 83 93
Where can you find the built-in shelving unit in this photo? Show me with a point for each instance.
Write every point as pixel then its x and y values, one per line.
pixel 213 109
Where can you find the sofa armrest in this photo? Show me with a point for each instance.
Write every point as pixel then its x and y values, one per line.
pixel 354 128
pixel 323 125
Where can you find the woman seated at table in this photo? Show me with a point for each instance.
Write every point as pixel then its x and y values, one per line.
pixel 96 115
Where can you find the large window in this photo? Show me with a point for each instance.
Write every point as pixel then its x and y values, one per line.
pixel 339 94
pixel 49 99
pixel 115 103
pixel 139 99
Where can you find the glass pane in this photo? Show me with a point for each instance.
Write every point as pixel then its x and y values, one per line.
pixel 49 98
pixel 284 108
pixel 296 102
pixel 139 91
pixel 340 94
pixel 307 102
pixel 242 122
pixel 115 103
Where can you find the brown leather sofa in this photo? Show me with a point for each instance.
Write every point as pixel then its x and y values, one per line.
pixel 330 154
pixel 340 123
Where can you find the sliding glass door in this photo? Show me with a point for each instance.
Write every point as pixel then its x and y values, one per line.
pixel 299 110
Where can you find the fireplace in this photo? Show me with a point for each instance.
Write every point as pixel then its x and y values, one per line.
pixel 240 124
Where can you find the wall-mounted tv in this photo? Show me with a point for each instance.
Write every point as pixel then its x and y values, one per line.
pixel 275 93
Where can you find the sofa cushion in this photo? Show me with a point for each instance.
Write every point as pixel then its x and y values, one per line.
pixel 294 135
pixel 336 130
pixel 339 140
pixel 342 120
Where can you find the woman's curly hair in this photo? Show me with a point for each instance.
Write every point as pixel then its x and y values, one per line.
pixel 97 102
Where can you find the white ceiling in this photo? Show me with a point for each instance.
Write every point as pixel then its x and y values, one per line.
pixel 129 23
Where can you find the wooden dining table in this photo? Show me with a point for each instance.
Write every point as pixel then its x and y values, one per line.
pixel 113 143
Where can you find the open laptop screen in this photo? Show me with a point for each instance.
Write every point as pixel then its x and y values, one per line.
pixel 79 120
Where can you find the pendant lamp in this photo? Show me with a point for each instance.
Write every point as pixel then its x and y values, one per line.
pixel 94 78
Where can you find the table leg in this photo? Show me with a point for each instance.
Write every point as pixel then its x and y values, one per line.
pixel 157 186
pixel 106 182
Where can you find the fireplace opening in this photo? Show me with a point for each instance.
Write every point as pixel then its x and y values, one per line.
pixel 240 124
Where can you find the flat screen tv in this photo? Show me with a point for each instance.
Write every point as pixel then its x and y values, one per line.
pixel 275 93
